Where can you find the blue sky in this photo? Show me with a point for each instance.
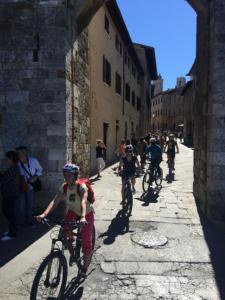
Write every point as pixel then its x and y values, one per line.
pixel 167 25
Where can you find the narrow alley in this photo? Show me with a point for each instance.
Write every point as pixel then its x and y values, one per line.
pixel 188 264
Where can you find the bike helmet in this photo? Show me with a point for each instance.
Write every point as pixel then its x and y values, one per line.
pixel 71 168
pixel 153 141
pixel 129 149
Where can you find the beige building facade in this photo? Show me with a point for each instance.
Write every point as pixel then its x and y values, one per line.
pixel 168 109
pixel 117 82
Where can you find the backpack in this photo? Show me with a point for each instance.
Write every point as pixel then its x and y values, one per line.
pixel 79 182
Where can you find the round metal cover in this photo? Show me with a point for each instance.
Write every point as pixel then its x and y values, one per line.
pixel 149 240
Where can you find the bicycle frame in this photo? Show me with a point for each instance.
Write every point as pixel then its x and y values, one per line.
pixel 66 243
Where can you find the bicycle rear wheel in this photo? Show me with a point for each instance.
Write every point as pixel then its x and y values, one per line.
pixel 127 202
pixel 146 182
pixel 50 279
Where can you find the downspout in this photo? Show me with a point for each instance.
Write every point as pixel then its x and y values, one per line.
pixel 123 105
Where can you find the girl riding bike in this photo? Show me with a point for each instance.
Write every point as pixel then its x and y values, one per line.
pixel 78 207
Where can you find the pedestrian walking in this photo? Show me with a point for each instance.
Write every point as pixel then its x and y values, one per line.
pixel 100 151
pixel 10 190
pixel 141 148
pixel 134 142
pixel 31 170
pixel 121 149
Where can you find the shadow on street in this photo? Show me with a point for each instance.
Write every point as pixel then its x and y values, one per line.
pixel 170 178
pixel 215 238
pixel 150 197
pixel 119 226
pixel 74 290
pixel 26 237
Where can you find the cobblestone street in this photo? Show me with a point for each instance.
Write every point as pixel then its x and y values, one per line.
pixel 189 266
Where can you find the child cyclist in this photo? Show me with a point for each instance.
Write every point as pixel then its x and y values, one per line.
pixel 128 167
pixel 78 207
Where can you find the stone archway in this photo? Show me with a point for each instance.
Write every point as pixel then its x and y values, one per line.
pixel 209 110
pixel 45 91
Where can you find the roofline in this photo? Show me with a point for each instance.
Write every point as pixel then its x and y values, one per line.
pixel 114 11
pixel 151 59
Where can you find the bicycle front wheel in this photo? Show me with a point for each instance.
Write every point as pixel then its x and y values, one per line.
pixel 146 182
pixel 127 202
pixel 50 279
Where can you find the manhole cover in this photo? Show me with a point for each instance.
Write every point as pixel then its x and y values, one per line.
pixel 149 240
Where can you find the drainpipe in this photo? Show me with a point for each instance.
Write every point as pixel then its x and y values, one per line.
pixel 123 105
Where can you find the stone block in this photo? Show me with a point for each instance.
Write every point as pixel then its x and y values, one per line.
pixel 56 154
pixel 52 165
pixel 54 107
pixel 56 131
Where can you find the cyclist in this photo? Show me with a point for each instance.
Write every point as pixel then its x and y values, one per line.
pixel 78 207
pixel 129 165
pixel 155 152
pixel 170 148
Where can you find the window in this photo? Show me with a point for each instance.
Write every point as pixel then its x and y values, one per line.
pixel 128 62
pixel 106 24
pixel 138 103
pixel 117 43
pixel 138 79
pixel 127 92
pixel 133 71
pixel 118 84
pixel 133 98
pixel 121 49
pixel 106 71
pixel 125 57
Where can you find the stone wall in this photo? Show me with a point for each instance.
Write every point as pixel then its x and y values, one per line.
pixel 78 104
pixel 44 90
pixel 216 113
pixel 33 92
pixel 209 113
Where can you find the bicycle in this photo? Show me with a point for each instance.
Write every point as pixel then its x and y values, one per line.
pixel 54 268
pixel 127 202
pixel 152 175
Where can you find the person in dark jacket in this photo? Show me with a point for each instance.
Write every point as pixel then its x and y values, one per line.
pixel 10 190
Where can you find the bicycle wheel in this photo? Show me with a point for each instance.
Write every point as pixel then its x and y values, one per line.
pixel 78 250
pixel 146 182
pixel 127 202
pixel 50 279
pixel 158 177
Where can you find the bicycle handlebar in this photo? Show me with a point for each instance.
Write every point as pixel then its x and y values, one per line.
pixel 73 225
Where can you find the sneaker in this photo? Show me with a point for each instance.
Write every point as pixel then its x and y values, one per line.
pixel 5 233
pixel 6 238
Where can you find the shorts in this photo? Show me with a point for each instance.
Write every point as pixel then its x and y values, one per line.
pixel 86 231
pixel 171 154
pixel 127 176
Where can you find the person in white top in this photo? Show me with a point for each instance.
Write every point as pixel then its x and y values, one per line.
pixel 31 170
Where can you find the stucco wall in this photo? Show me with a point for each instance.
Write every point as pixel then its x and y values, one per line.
pixel 106 105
